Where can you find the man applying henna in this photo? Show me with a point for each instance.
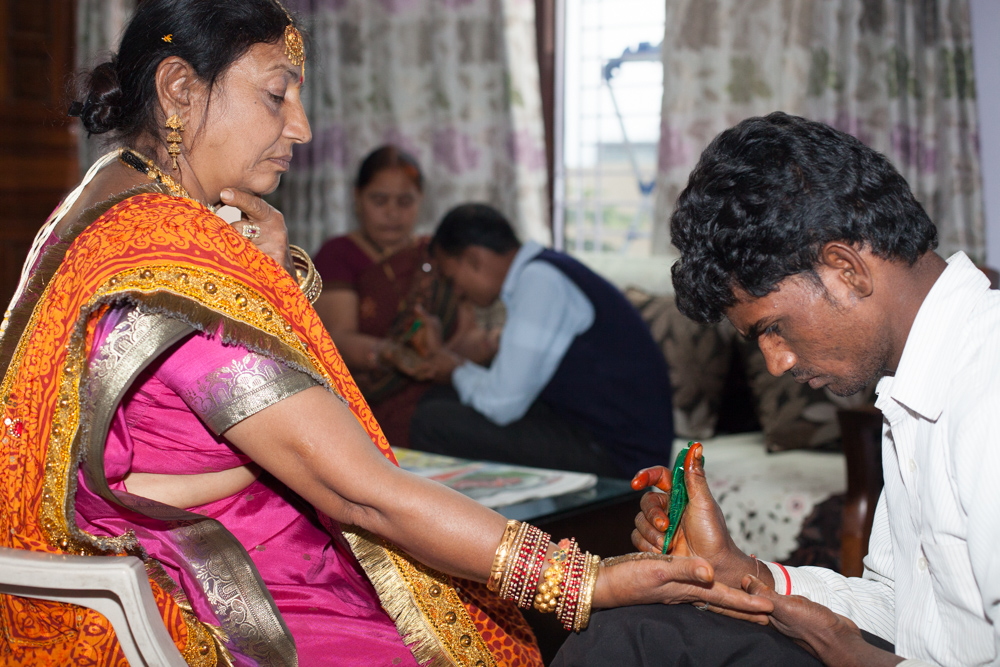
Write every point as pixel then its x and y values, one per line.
pixel 813 244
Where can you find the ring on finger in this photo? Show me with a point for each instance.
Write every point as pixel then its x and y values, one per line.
pixel 701 607
pixel 250 231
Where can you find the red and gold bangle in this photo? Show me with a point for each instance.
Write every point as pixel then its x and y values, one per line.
pixel 525 561
pixel 571 594
pixel 515 570
pixel 535 570
pixel 568 580
pixel 524 564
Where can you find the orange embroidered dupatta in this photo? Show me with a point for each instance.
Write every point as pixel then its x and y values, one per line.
pixel 172 256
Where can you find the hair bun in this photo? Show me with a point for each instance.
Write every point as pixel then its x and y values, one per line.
pixel 102 109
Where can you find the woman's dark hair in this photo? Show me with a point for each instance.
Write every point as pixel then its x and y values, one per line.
pixel 768 194
pixel 120 95
pixel 474 225
pixel 389 157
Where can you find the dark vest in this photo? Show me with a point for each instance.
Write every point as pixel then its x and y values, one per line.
pixel 613 379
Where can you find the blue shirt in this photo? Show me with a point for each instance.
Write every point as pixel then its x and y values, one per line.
pixel 546 311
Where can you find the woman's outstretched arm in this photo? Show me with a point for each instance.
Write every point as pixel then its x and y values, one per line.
pixel 312 442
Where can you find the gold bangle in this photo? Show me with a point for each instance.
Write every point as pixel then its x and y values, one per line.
pixel 587 594
pixel 308 277
pixel 502 554
pixel 506 579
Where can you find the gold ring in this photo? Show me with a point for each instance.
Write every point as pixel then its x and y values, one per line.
pixel 250 231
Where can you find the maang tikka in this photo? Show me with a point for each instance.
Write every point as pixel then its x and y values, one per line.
pixel 176 126
pixel 294 46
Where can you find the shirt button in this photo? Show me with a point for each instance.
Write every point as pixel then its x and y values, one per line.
pixel 913 466
pixel 922 563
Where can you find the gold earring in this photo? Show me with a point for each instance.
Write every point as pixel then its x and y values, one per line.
pixel 176 126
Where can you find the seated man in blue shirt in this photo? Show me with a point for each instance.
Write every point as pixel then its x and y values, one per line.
pixel 577 382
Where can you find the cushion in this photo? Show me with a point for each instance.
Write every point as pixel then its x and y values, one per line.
pixel 698 358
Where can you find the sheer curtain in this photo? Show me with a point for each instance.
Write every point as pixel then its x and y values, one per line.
pixel 455 82
pixel 99 25
pixel 897 74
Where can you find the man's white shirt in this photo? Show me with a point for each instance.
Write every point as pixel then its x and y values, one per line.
pixel 932 575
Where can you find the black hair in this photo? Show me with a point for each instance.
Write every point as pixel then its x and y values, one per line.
pixel 119 96
pixel 768 194
pixel 389 157
pixel 474 225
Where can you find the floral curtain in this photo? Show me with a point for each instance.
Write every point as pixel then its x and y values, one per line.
pixel 455 82
pixel 897 74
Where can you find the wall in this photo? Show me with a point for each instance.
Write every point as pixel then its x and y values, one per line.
pixel 986 54
pixel 37 146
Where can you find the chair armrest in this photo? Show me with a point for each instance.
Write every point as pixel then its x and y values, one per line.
pixel 115 586
pixel 861 435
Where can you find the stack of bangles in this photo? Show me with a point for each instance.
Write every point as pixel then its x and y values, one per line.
pixel 567 586
pixel 305 273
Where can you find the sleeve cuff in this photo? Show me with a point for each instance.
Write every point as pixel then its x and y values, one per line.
pixel 465 378
pixel 782 580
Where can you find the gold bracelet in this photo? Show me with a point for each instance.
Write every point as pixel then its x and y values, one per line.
pixel 308 277
pixel 502 554
pixel 506 579
pixel 587 594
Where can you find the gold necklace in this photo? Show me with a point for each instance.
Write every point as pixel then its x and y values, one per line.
pixel 136 160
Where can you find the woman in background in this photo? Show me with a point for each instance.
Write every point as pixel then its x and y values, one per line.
pixel 382 302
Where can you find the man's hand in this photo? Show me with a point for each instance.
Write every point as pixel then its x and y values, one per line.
pixel 703 529
pixel 273 239
pixel 832 638
pixel 648 579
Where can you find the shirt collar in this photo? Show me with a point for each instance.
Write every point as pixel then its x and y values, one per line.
pixel 922 381
pixel 528 252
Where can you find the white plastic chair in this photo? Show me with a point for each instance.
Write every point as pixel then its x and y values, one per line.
pixel 117 587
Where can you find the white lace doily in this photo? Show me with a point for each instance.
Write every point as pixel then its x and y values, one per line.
pixel 766 498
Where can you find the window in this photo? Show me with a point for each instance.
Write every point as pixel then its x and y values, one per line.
pixel 611 95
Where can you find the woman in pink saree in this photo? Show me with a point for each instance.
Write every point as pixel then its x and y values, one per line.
pixel 169 393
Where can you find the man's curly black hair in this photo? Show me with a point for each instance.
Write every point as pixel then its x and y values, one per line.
pixel 765 198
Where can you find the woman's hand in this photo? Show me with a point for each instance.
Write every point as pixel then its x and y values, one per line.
pixel 703 529
pixel 649 579
pixel 832 638
pixel 191 490
pixel 273 239
pixel 428 338
pixel 404 359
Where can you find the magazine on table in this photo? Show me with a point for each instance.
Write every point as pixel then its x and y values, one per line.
pixel 493 484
